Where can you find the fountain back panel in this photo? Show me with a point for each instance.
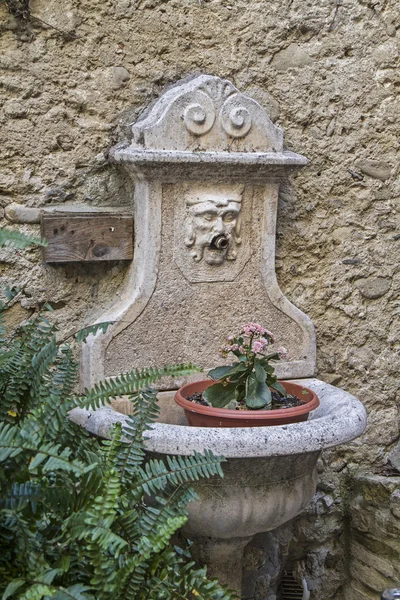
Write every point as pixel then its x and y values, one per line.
pixel 207 164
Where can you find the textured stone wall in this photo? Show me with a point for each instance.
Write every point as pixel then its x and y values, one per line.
pixel 327 72
pixel 374 536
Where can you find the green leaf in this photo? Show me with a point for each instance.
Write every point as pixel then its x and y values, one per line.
pixel 219 395
pixel 48 577
pixel 279 388
pixel 219 372
pixel 5 356
pixel 12 587
pixel 230 372
pixel 75 592
pixel 260 373
pixel 265 362
pixel 258 394
pixel 237 369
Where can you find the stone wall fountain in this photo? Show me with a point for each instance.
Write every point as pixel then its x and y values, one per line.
pixel 207 164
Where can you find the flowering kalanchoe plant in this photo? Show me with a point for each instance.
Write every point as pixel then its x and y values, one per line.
pixel 250 379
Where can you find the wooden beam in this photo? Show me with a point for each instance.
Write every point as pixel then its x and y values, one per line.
pixel 87 237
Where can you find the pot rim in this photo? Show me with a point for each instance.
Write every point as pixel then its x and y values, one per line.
pixel 251 415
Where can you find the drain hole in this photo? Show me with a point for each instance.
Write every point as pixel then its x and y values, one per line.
pixel 289 589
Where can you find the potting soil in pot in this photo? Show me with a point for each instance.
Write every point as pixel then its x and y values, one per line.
pixel 278 401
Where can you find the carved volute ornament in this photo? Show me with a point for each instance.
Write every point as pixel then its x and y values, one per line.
pixel 207 162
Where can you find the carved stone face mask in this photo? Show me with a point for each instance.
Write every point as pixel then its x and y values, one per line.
pixel 213 226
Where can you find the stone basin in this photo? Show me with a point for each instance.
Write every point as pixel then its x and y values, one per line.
pixel 270 473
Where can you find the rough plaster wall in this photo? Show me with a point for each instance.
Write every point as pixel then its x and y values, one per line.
pixel 374 536
pixel 326 72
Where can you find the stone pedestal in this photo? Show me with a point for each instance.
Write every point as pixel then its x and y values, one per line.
pixel 223 557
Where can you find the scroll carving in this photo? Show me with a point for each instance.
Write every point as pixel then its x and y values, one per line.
pixel 235 118
pixel 199 116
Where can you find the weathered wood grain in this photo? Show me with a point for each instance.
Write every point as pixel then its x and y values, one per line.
pixel 87 237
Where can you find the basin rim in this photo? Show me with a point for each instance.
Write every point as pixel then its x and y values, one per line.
pixel 340 418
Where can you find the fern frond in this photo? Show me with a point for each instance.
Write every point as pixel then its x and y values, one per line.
pixel 165 508
pixel 134 573
pixel 129 383
pixel 182 469
pixel 88 488
pixel 82 334
pixel 52 457
pixel 110 447
pixel 58 497
pixel 18 375
pixel 50 417
pixel 16 239
pixel 145 411
pixel 8 445
pixel 5 357
pixel 21 494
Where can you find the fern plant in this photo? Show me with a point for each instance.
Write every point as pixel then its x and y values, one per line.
pixel 82 519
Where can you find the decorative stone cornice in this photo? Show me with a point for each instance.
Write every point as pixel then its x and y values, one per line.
pixel 206 128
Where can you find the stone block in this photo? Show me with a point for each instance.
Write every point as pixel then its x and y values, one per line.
pixel 18 213
pixel 7 180
pixel 14 316
pixel 15 110
pixel 120 77
pixel 294 56
pixel 369 576
pixel 394 457
pixel 377 169
pixel 395 504
pixel 356 591
pixel 373 560
pixel 373 287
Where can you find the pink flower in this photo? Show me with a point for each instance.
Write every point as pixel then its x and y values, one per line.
pixel 260 336
pixel 282 352
pixel 255 329
pixel 258 346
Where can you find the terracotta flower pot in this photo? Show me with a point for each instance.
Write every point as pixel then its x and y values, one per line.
pixel 207 416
